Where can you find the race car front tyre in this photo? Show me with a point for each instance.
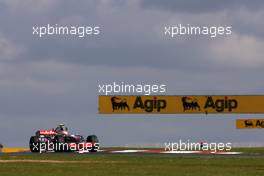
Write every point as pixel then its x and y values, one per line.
pixel 34 144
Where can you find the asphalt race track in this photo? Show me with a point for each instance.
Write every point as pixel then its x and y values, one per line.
pixel 150 153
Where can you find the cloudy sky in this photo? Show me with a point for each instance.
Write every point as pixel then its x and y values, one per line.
pixel 49 80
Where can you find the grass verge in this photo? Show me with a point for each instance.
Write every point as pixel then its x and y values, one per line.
pixel 109 165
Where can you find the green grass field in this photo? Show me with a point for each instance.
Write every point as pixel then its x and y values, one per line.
pixel 76 164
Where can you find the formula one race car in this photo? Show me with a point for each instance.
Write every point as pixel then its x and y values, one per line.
pixel 59 140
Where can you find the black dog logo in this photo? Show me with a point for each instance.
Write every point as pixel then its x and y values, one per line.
pixel 248 123
pixel 119 104
pixel 190 103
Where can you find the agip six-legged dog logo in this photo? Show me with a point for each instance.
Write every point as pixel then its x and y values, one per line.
pixel 190 103
pixel 248 123
pixel 119 104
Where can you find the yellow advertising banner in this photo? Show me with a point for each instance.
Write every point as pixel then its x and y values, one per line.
pixel 249 123
pixel 167 104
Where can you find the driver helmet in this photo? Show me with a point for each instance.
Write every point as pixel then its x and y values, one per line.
pixel 61 128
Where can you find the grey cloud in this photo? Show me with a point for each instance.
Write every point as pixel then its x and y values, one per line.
pixel 202 6
pixel 143 35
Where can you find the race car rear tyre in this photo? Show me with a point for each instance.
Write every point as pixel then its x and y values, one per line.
pixel 34 144
pixel 94 140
